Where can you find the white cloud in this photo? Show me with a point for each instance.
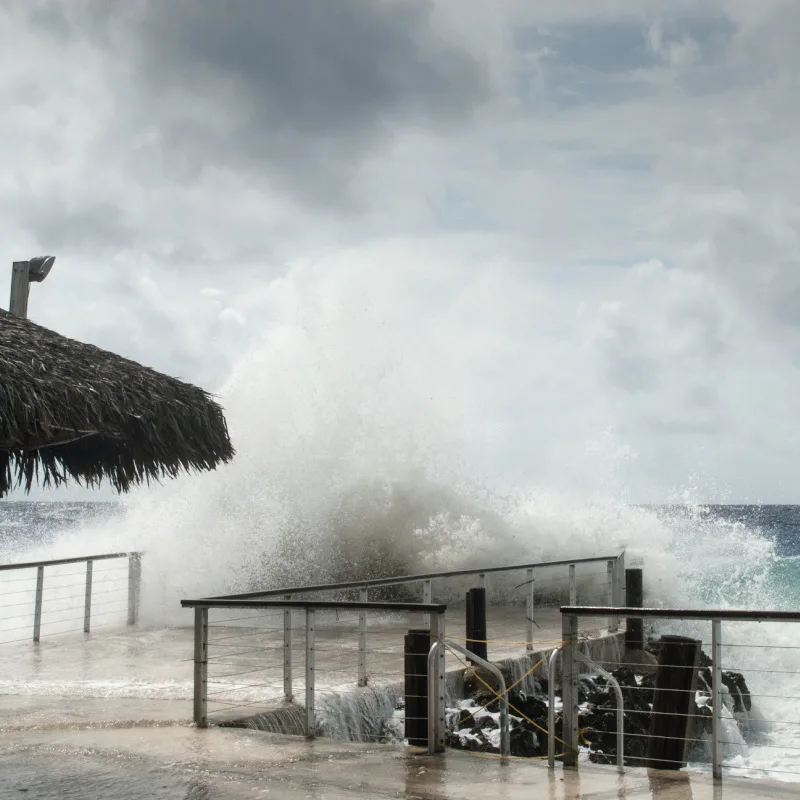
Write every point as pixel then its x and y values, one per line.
pixel 589 225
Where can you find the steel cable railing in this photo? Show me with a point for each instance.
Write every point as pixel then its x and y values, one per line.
pixel 731 718
pixel 53 594
pixel 245 665
pixel 581 572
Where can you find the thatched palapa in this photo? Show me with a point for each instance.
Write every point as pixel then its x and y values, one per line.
pixel 72 410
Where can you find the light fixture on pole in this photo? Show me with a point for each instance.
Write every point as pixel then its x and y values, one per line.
pixel 22 275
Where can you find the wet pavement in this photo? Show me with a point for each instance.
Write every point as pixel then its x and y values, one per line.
pixel 217 764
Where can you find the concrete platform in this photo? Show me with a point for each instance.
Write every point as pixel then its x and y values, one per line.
pixel 218 764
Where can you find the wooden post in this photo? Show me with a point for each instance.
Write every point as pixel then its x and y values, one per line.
pixel 417 646
pixel 476 622
pixel 676 680
pixel 634 598
pixel 20 286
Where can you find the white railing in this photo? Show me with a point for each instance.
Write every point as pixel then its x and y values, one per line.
pixel 14 609
pixel 615 596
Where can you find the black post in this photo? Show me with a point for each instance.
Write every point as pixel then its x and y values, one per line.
pixel 676 679
pixel 417 646
pixel 476 622
pixel 634 598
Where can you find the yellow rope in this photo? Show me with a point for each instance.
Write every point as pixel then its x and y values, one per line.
pixel 499 696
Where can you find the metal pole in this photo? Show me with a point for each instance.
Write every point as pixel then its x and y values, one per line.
pixel 201 667
pixel 436 686
pixel 310 717
pixel 87 603
pixel 620 582
pixel 551 707
pixel 362 639
pixel 573 589
pixel 288 692
pixel 134 586
pixel 20 288
pixel 482 580
pixel 569 688
pixel 530 610
pixel 427 594
pixel 37 611
pixel 611 594
pixel 716 689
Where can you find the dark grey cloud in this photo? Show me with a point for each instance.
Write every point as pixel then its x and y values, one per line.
pixel 310 87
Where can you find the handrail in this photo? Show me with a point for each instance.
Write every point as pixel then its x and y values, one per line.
pixel 343 605
pixel 433 676
pixel 55 562
pixel 134 584
pixel 401 579
pixel 551 703
pixel 733 614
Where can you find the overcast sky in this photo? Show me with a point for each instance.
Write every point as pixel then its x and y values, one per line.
pixel 558 240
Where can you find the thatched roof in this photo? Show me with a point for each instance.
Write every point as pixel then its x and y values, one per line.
pixel 72 410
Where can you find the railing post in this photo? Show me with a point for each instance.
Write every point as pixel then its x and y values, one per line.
pixel 201 667
pixel 611 594
pixel 427 596
pixel 551 707
pixel 716 703
pixel 530 610
pixel 573 587
pixel 437 700
pixel 134 586
pixel 87 603
pixel 310 674
pixel 569 688
pixel 362 638
pixel 288 691
pixel 37 609
pixel 619 600
pixel 482 580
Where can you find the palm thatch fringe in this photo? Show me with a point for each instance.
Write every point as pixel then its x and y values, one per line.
pixel 72 410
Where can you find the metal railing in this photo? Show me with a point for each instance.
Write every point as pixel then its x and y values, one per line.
pixel 711 698
pixel 615 593
pixel 551 705
pixel 259 684
pixel 87 584
pixel 436 693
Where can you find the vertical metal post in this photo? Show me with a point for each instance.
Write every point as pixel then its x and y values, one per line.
pixel 427 594
pixel 482 580
pixel 288 691
pixel 362 638
pixel 437 700
pixel 87 603
pixel 611 593
pixel 20 287
pixel 310 674
pixel 619 600
pixel 201 667
pixel 134 586
pixel 37 610
pixel 716 689
pixel 569 688
pixel 530 610
pixel 551 707
pixel 573 588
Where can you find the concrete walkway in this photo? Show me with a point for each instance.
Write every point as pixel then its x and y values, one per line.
pixel 222 764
